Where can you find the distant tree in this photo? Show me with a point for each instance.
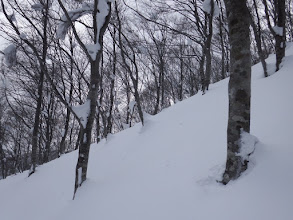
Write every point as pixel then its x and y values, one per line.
pixel 256 27
pixel 239 86
pixel 39 32
pixel 276 10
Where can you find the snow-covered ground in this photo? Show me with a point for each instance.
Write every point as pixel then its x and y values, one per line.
pixel 167 170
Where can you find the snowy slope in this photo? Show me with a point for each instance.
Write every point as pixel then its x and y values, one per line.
pixel 168 169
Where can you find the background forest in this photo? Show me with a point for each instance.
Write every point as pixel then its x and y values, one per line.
pixel 155 53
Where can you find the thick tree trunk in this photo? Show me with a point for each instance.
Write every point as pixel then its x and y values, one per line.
pixel 239 86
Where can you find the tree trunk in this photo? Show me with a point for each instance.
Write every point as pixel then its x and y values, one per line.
pixel 257 34
pixel 134 77
pixel 3 163
pixel 110 117
pixel 280 36
pixel 36 125
pixel 208 47
pixel 239 86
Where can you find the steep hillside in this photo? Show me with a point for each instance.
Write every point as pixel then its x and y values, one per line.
pixel 167 170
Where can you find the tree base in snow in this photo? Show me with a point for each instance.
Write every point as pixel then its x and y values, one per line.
pixel 237 163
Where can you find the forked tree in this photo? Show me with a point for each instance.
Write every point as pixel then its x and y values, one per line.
pixel 100 10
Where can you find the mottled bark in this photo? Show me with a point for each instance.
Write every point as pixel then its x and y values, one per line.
pixel 239 86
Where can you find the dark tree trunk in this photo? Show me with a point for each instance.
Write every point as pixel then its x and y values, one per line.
pixel 3 163
pixel 180 95
pixel 2 154
pixel 62 147
pixel 37 125
pixel 40 93
pixel 257 34
pixel 109 118
pixel 208 47
pixel 239 86
pixel 157 105
pixel 280 36
pixel 201 70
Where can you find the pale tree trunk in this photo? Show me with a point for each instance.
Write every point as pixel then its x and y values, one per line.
pixel 239 86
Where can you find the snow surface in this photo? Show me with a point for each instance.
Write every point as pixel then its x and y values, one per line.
pixel 167 170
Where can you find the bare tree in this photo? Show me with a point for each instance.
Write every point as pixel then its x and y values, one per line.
pixel 101 13
pixel 275 9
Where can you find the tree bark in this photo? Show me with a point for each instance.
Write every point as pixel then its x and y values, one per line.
pixel 239 86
